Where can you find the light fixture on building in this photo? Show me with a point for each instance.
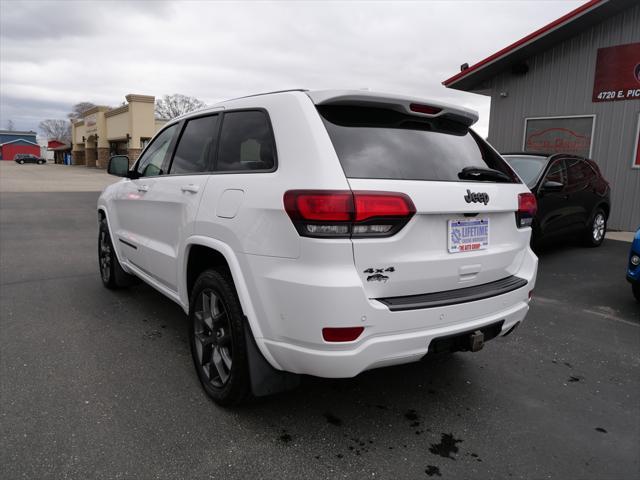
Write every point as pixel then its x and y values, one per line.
pixel 128 141
pixel 504 94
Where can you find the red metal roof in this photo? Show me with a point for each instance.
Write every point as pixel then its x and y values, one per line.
pixel 532 36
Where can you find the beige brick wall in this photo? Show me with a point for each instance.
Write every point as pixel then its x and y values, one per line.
pixel 91 156
pixel 133 155
pixel 78 157
pixel 103 158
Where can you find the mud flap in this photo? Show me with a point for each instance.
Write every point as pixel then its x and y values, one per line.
pixel 265 380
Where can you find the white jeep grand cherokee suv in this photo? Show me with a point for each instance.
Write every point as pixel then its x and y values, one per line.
pixel 322 233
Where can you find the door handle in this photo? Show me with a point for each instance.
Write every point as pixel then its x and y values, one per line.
pixel 190 188
pixel 143 188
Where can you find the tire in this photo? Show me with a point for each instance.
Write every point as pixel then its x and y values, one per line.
pixel 111 272
pixel 21 162
pixel 217 339
pixel 595 233
pixel 635 288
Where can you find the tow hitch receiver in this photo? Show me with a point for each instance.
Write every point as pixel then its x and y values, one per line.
pixel 476 341
pixel 469 341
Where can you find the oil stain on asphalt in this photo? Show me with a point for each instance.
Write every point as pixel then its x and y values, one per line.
pixel 285 437
pixel 447 446
pixel 433 470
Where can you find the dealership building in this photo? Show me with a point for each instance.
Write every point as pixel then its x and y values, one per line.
pixel 572 86
pixel 103 131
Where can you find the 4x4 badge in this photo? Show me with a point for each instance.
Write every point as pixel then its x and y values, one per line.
pixel 480 197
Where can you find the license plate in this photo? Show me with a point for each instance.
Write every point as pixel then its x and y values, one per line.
pixel 468 235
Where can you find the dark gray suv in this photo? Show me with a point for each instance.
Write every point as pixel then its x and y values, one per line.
pixel 28 158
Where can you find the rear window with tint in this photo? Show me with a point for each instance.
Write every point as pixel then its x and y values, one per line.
pixel 385 144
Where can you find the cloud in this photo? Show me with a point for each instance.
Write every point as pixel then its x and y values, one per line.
pixel 55 54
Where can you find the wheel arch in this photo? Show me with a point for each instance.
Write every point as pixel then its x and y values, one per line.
pixel 605 207
pixel 201 253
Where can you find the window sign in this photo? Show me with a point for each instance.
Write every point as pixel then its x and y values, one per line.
pixel 636 157
pixel 551 135
pixel 617 75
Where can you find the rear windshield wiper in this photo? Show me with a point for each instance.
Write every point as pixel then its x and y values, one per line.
pixel 483 174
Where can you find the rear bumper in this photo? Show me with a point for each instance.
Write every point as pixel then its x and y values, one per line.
pixel 383 350
pixel 296 302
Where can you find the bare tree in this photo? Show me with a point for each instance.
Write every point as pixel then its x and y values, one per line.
pixel 56 130
pixel 10 125
pixel 78 109
pixel 172 106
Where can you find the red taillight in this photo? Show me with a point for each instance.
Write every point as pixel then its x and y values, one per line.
pixel 343 214
pixel 428 109
pixel 527 208
pixel 344 334
pixel 371 205
pixel 321 206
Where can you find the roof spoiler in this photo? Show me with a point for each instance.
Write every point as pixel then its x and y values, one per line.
pixel 408 105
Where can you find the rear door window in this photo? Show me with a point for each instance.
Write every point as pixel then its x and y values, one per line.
pixel 579 171
pixel 196 146
pixel 246 143
pixel 386 144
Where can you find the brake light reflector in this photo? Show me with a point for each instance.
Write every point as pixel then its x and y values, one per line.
pixel 344 214
pixel 527 208
pixel 343 334
pixel 428 109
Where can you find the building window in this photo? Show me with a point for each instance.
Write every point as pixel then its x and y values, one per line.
pixel 570 134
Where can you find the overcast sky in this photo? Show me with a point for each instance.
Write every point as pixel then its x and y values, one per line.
pixel 57 53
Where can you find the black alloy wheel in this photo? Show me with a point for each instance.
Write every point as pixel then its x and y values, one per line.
pixel 105 256
pixel 217 338
pixel 212 332
pixel 111 272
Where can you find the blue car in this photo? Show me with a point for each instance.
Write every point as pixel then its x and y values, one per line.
pixel 633 272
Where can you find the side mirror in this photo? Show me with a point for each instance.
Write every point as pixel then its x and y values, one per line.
pixel 118 166
pixel 551 186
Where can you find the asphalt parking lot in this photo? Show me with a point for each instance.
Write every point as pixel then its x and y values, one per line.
pixel 99 384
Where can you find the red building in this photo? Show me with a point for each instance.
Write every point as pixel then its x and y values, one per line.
pixel 12 143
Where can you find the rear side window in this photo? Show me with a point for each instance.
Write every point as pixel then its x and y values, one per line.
pixel 557 173
pixel 196 146
pixel 385 144
pixel 246 143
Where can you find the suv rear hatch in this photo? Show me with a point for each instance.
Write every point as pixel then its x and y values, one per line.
pixel 464 231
